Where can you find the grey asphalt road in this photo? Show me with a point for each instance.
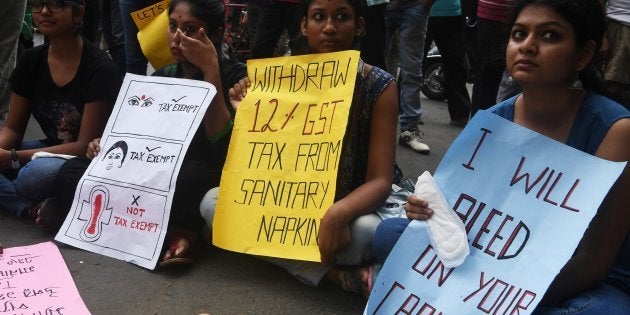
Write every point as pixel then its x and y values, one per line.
pixel 220 282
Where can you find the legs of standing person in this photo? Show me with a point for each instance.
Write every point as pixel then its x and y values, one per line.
pixel 136 61
pixel 90 30
pixel 10 28
pixel 491 42
pixel 268 28
pixel 372 50
pixel 617 72
pixel 114 34
pixel 448 33
pixel 411 24
pixel 253 11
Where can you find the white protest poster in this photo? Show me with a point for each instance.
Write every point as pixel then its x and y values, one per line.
pixel 525 201
pixel 122 204
pixel 35 280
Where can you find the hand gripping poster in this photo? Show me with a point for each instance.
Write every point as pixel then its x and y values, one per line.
pixel 525 201
pixel 122 204
pixel 280 174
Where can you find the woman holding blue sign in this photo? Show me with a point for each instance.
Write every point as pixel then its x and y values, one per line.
pixel 552 53
pixel 366 165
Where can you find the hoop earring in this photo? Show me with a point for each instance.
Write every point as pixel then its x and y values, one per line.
pixel 577 85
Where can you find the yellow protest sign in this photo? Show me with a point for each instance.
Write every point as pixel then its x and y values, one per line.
pixel 280 175
pixel 152 23
pixel 144 16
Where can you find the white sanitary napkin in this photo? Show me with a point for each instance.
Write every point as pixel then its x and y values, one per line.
pixel 446 229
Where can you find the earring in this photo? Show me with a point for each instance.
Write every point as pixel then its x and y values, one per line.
pixel 577 85
pixel 509 81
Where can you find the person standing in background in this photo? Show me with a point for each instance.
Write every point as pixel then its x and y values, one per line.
pixel 373 50
pixel 10 28
pixel 447 28
pixel 114 34
pixel 617 72
pixel 409 18
pixel 136 61
pixel 491 41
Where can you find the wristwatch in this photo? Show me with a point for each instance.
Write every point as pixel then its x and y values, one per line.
pixel 15 162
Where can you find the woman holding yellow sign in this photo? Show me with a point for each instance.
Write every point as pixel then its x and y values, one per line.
pixel 366 166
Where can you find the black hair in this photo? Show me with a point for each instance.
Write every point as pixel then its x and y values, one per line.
pixel 120 144
pixel 588 20
pixel 211 12
pixel 301 43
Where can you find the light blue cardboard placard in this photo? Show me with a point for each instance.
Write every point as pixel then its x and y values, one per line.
pixel 525 201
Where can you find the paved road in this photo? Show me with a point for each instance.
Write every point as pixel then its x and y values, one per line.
pixel 220 282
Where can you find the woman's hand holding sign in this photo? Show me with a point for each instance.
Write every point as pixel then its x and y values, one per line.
pixel 238 92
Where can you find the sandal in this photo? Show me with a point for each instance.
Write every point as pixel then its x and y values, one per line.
pixel 357 280
pixel 177 249
pixel 49 217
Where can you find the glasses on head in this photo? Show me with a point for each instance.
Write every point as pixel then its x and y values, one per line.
pixel 53 6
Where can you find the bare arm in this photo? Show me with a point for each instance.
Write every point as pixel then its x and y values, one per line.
pixel 334 233
pixel 93 122
pixel 602 241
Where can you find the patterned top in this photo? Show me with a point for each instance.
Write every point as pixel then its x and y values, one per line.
pixel 356 142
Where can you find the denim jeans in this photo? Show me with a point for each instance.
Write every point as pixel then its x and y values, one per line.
pixel 603 299
pixel 411 23
pixel 34 181
pixel 136 61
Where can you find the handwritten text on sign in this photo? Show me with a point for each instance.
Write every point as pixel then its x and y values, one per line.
pixel 280 174
pixel 525 201
pixel 35 280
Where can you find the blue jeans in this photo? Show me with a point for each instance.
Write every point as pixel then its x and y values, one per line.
pixel 33 184
pixel 136 61
pixel 411 24
pixel 603 299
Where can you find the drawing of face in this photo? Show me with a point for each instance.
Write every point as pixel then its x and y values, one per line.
pixel 114 157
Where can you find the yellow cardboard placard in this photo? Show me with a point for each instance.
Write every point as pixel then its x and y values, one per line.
pixel 152 23
pixel 280 174
pixel 144 16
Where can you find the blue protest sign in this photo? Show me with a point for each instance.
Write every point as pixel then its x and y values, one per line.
pixel 525 201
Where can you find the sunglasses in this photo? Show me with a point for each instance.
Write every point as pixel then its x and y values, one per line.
pixel 53 6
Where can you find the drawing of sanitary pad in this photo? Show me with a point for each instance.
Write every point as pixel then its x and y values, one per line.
pixel 95 213
pixel 446 230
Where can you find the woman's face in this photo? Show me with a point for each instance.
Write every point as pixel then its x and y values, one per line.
pixel 542 49
pixel 331 25
pixel 55 23
pixel 181 18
